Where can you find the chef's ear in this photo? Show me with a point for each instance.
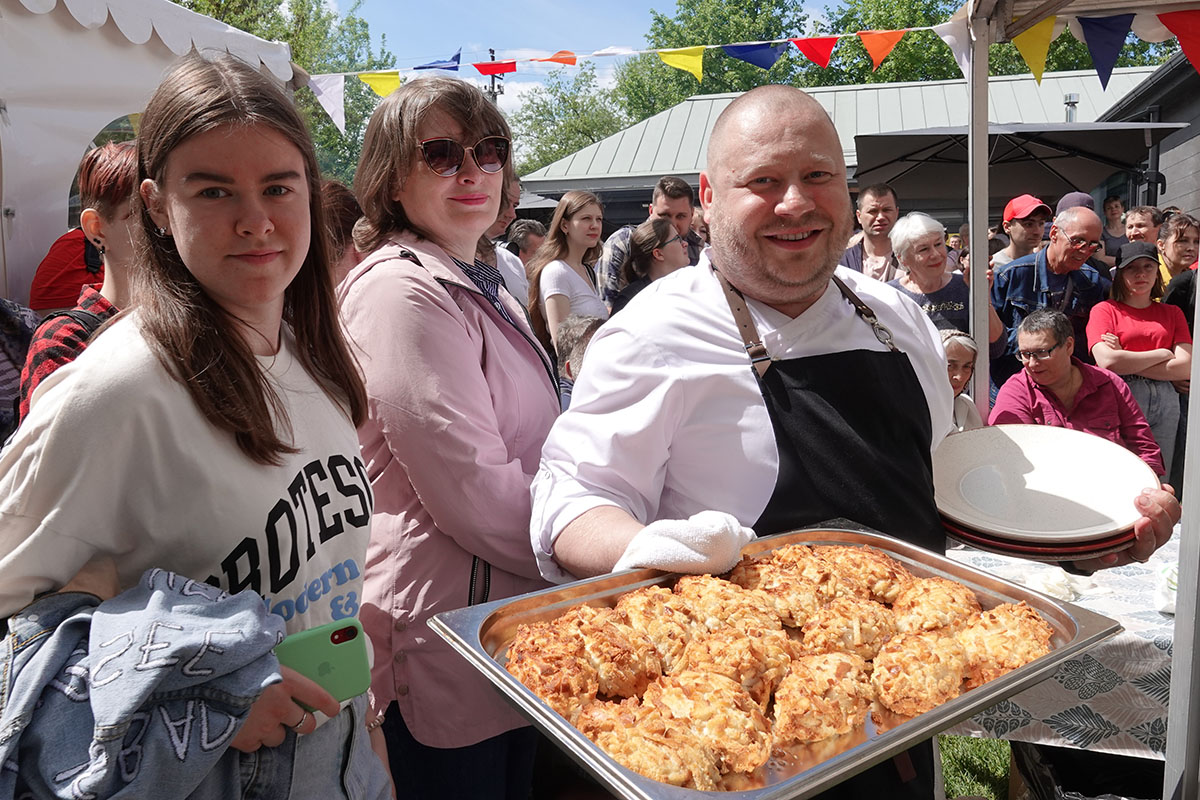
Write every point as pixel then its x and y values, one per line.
pixel 152 199
pixel 706 193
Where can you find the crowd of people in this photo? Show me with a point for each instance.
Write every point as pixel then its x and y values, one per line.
pixel 376 403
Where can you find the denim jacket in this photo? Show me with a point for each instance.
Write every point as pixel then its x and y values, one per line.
pixel 138 696
pixel 1021 287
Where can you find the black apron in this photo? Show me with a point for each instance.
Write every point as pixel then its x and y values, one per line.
pixel 853 434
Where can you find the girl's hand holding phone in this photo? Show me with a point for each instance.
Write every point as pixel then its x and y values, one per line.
pixel 277 709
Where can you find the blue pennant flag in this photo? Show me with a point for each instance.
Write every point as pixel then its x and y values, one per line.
pixel 1105 36
pixel 760 55
pixel 450 63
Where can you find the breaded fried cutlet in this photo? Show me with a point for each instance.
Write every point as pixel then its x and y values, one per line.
pixel 664 617
pixel 915 672
pixel 867 572
pixel 822 696
pixel 553 667
pixel 718 604
pixel 757 662
pixel 625 661
pixel 850 625
pixel 644 740
pixel 793 597
pixel 720 713
pixel 926 604
pixel 1002 639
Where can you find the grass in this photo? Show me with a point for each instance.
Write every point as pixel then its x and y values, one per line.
pixel 975 766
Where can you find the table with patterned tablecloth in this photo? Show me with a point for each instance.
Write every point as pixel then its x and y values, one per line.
pixel 1111 699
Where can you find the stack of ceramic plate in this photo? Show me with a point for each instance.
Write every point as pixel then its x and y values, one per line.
pixel 1039 492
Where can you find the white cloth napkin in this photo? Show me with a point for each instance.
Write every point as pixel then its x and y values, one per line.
pixel 710 541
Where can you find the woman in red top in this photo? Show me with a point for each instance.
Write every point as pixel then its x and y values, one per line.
pixel 1145 342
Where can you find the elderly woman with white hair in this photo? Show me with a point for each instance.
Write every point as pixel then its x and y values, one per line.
pixel 919 242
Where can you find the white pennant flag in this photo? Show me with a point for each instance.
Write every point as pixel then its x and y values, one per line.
pixel 957 35
pixel 331 94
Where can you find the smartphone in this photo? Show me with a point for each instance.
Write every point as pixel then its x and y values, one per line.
pixel 333 655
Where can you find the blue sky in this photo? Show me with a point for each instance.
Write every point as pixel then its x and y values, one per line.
pixel 428 30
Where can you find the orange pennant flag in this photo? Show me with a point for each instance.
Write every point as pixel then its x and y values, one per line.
pixel 880 43
pixel 561 57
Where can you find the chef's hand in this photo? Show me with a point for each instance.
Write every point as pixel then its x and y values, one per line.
pixel 1112 340
pixel 1160 511
pixel 276 710
pixel 710 541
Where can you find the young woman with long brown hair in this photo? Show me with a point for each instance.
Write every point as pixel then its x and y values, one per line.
pixel 561 280
pixel 210 430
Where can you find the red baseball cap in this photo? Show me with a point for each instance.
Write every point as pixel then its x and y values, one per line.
pixel 1025 206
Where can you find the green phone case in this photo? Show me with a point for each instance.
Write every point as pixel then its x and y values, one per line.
pixel 330 655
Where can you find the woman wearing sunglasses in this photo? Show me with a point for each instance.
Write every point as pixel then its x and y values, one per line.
pixel 655 250
pixel 561 280
pixel 461 397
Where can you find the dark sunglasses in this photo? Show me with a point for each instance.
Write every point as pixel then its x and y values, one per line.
pixel 445 156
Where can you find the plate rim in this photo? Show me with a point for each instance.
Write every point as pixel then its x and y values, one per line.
pixel 1091 533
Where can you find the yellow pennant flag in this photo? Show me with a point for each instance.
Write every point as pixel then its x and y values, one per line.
pixel 1034 44
pixel 136 121
pixel 688 59
pixel 382 83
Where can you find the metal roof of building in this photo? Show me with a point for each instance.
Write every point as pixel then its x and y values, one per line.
pixel 674 142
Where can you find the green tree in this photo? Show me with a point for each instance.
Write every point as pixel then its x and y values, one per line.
pixel 646 86
pixel 320 42
pixel 562 116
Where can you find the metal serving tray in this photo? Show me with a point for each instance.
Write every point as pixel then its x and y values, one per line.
pixel 482 633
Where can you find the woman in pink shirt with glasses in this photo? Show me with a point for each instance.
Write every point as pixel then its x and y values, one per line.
pixel 1058 389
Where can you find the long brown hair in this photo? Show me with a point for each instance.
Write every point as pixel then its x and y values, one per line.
pixel 554 248
pixel 390 147
pixel 645 239
pixel 194 338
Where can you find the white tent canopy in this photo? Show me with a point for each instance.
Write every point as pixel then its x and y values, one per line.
pixel 67 69
pixel 1000 20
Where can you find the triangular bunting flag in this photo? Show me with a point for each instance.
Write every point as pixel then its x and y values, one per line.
pixel 688 59
pixel 135 120
pixel 331 94
pixel 381 83
pixel 1186 27
pixel 613 50
pixel 957 35
pixel 450 63
pixel 818 49
pixel 880 43
pixel 761 55
pixel 495 67
pixel 1034 44
pixel 1104 37
pixel 561 57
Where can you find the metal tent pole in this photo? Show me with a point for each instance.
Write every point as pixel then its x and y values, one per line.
pixel 977 205
pixel 1182 777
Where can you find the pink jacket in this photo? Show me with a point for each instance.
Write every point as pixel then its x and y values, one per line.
pixel 1104 406
pixel 461 401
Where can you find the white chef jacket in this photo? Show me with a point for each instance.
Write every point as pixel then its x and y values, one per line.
pixel 667 418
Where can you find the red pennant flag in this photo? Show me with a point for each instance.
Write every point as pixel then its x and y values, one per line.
pixel 1186 27
pixel 495 67
pixel 561 57
pixel 818 49
pixel 880 43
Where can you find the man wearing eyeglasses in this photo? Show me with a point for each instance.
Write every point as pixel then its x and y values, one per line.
pixel 1056 277
pixel 1060 390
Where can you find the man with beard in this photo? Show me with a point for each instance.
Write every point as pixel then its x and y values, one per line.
pixel 877 212
pixel 766 390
